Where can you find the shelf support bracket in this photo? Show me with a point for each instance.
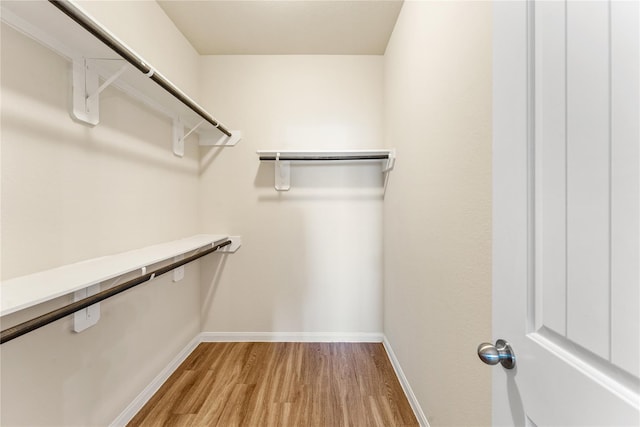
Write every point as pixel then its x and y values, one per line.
pixel 192 130
pixel 89 316
pixel 85 81
pixel 390 163
pixel 107 83
pixel 86 89
pixel 178 273
pixel 282 174
pixel 205 138
pixel 179 136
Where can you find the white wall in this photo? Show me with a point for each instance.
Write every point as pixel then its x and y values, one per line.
pixel 437 211
pixel 311 259
pixel 71 192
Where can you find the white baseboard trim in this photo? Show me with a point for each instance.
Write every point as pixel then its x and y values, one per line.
pixel 290 337
pixel 148 392
pixel 411 397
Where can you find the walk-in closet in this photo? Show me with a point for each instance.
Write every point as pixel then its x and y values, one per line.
pixel 307 213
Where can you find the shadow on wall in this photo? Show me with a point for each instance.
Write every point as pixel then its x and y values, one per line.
pixel 262 287
pixel 130 142
pixel 208 155
pixel 323 181
pixel 211 273
pixel 331 222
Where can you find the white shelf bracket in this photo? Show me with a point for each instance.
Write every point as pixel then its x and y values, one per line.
pixel 85 81
pixel 282 174
pixel 89 316
pixel 193 129
pixel 390 163
pixel 178 273
pixel 107 83
pixel 86 89
pixel 179 136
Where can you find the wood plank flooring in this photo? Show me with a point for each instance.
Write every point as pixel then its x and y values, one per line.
pixel 281 384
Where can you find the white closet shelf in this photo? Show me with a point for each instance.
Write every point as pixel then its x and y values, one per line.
pixel 109 59
pixel 27 291
pixel 283 158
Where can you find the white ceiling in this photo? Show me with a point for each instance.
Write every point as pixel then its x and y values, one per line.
pixel 272 27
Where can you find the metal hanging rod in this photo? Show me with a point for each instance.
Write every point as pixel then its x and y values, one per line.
pixel 315 157
pixel 74 13
pixel 50 317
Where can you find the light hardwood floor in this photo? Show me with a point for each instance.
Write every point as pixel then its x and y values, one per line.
pixel 281 384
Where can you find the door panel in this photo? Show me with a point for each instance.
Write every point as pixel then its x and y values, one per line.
pixel 577 156
pixel 551 170
pixel 588 160
pixel 566 212
pixel 560 387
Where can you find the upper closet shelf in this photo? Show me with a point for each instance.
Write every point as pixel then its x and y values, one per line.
pixel 27 291
pixel 97 55
pixel 283 158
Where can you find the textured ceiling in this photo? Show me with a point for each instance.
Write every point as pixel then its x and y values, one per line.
pixel 268 27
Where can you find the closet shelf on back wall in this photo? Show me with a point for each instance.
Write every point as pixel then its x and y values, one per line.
pixel 283 159
pixel 97 55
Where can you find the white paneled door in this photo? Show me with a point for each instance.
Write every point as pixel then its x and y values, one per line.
pixel 567 212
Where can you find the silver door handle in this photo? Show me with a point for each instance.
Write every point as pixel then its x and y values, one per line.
pixel 500 353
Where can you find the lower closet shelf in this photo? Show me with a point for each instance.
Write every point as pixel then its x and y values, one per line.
pixel 27 291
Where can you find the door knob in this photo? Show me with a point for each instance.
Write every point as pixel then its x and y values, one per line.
pixel 501 353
